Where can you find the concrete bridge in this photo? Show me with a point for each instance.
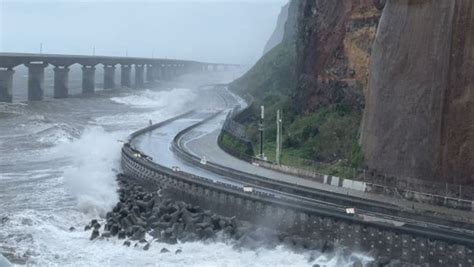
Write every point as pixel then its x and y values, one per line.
pixel 146 70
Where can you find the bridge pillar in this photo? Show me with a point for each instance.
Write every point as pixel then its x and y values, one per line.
pixel 139 82
pixel 180 70
pixel 169 72
pixel 173 71
pixel 157 69
pixel 6 84
pixel 150 73
pixel 215 68
pixel 61 79
pixel 88 79
pixel 125 72
pixel 36 81
pixel 109 76
pixel 165 72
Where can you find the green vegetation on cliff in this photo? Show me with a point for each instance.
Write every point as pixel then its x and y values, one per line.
pixel 272 78
pixel 328 135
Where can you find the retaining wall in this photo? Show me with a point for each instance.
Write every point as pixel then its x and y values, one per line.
pixel 408 243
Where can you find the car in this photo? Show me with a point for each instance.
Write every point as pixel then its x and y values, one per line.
pixel 247 189
pixel 175 168
pixel 350 211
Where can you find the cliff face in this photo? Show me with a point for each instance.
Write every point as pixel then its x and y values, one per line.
pixel 419 115
pixel 277 35
pixel 286 26
pixel 317 75
pixel 333 47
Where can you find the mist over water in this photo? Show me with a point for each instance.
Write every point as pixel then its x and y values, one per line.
pixel 58 161
pixel 94 163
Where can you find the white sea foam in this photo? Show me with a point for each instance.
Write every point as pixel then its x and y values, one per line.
pixel 164 104
pixel 38 232
pixel 91 176
pixel 46 239
pixel 172 99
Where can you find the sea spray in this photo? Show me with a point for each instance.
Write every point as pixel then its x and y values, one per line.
pixel 90 177
pixel 173 99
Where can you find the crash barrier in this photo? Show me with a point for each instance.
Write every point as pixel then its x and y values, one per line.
pixel 407 241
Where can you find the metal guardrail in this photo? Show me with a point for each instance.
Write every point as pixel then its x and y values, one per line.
pixel 157 125
pixel 455 196
pixel 341 199
pixel 151 168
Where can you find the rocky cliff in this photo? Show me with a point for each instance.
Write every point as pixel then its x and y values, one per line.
pixel 419 115
pixel 277 35
pixel 317 75
pixel 334 40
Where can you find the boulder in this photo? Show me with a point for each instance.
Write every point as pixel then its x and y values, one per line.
pixel 164 250
pixel 96 226
pixel 207 232
pixel 138 233
pixel 106 235
pixel 142 205
pixel 95 234
pixel 122 234
pixel 114 229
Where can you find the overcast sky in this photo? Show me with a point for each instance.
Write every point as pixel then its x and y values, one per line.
pixel 216 31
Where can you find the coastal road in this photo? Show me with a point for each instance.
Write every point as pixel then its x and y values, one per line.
pixel 202 141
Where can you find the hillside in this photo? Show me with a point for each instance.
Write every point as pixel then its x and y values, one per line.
pixel 321 96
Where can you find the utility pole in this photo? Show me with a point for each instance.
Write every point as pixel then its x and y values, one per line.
pixel 279 136
pixel 41 48
pixel 262 115
pixel 93 50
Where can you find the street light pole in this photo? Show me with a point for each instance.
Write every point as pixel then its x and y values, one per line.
pixel 279 136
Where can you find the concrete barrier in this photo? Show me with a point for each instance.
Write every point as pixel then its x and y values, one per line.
pixel 408 242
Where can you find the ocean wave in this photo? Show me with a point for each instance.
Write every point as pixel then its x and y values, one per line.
pixel 44 237
pixel 57 133
pixel 90 177
pixel 157 99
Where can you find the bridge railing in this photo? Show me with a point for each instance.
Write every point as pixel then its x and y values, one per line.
pixel 147 71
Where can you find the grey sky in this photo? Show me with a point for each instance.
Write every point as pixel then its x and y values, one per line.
pixel 216 31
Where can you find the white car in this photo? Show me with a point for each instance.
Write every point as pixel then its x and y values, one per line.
pixel 175 168
pixel 248 189
pixel 350 211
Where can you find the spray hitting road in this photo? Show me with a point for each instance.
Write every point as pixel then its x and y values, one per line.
pixel 58 161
